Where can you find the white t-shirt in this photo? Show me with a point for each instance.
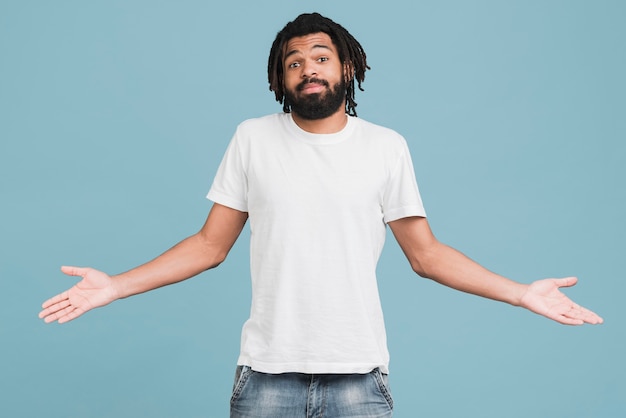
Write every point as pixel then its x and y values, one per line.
pixel 317 206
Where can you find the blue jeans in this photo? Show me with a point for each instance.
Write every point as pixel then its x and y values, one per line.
pixel 298 395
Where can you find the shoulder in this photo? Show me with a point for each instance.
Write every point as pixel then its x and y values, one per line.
pixel 264 131
pixel 273 121
pixel 378 133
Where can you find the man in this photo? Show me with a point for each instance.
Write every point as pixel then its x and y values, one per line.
pixel 319 187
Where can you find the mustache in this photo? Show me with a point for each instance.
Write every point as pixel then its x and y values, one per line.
pixel 312 80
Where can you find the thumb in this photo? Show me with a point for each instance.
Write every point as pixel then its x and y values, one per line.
pixel 75 271
pixel 566 281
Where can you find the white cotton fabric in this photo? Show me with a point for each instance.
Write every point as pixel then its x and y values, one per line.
pixel 317 208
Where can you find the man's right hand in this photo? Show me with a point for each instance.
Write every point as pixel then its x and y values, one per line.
pixel 94 290
pixel 201 251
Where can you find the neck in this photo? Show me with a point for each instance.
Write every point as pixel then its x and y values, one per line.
pixel 329 125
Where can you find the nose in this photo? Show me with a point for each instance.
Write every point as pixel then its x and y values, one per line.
pixel 308 69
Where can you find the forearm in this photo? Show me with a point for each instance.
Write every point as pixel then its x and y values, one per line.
pixel 432 259
pixel 451 268
pixel 186 259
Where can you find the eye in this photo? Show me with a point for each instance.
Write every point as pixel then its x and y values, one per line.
pixel 294 65
pixel 322 59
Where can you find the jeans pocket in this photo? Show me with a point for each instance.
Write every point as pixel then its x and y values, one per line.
pixel 382 380
pixel 241 377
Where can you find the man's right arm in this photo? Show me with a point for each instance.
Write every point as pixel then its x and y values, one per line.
pixel 195 254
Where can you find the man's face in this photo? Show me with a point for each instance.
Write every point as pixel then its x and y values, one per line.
pixel 315 86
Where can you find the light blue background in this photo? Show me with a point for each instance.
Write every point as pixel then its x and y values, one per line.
pixel 114 116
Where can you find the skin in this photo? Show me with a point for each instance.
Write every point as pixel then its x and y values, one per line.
pixel 306 57
pixel 314 56
pixel 202 251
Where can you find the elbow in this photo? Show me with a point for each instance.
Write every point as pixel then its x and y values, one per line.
pixel 422 273
pixel 419 268
pixel 424 263
pixel 211 253
pixel 427 261
pixel 216 260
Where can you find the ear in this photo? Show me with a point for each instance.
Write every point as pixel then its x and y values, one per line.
pixel 348 71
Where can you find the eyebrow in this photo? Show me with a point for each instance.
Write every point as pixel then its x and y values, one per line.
pixel 295 51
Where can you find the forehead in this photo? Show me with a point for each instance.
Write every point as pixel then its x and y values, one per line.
pixel 306 43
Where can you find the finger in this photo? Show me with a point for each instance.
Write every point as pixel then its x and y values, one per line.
pixel 58 315
pixel 56 299
pixel 566 281
pixel 593 318
pixel 74 271
pixel 566 320
pixel 71 315
pixel 585 315
pixel 54 308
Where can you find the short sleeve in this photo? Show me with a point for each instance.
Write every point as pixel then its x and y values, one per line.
pixel 230 185
pixel 402 198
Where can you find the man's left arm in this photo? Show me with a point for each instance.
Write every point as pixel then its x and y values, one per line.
pixel 434 260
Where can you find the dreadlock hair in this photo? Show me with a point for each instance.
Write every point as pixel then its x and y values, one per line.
pixel 349 50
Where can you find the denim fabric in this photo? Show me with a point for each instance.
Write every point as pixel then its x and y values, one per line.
pixel 298 395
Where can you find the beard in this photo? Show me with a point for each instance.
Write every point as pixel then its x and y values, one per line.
pixel 317 105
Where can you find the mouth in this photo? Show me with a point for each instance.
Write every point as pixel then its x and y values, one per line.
pixel 312 86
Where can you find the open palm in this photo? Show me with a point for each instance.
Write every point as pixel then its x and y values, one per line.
pixel 545 298
pixel 94 290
